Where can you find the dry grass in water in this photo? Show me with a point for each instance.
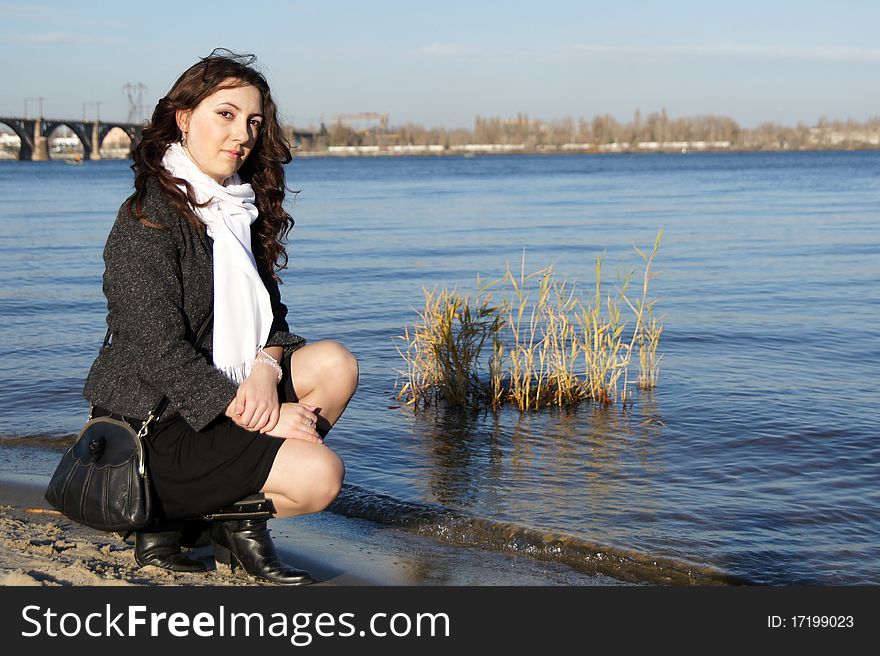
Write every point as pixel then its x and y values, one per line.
pixel 549 347
pixel 443 349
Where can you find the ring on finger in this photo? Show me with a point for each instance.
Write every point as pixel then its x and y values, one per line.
pixel 310 423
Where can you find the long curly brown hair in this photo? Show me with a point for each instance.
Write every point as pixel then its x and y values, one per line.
pixel 263 169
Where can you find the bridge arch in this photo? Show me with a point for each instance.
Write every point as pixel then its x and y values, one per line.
pixel 81 150
pixel 80 128
pixel 113 140
pixel 26 142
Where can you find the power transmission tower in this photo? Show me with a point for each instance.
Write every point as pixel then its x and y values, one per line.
pixel 135 102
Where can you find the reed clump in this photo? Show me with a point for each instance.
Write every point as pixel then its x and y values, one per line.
pixel 549 346
pixel 442 350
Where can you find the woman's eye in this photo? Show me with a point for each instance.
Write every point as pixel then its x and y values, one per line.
pixel 257 124
pixel 225 113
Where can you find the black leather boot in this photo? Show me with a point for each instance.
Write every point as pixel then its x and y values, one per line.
pixel 246 544
pixel 161 548
pixel 195 533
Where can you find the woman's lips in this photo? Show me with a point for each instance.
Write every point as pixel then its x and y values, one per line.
pixel 233 154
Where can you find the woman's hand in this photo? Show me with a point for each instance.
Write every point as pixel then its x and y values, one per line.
pixel 297 421
pixel 255 406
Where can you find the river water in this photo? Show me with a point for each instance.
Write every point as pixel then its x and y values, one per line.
pixel 755 459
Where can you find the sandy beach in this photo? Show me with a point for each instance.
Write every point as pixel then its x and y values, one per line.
pixel 40 547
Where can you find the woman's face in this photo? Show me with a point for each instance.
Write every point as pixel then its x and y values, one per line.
pixel 223 129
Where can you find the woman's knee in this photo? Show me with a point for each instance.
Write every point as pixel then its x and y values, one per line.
pixel 322 484
pixel 309 476
pixel 332 474
pixel 324 366
pixel 339 363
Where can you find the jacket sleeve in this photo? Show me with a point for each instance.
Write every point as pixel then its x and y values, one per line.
pixel 144 292
pixel 279 333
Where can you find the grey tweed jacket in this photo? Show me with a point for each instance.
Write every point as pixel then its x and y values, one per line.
pixel 159 289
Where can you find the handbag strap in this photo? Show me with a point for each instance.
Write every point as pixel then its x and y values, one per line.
pixel 162 403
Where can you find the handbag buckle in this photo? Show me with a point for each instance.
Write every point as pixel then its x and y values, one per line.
pixel 141 434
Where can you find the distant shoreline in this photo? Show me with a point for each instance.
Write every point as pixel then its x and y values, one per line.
pixel 535 151
pixel 545 151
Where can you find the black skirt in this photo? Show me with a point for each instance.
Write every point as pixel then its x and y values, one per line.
pixel 197 472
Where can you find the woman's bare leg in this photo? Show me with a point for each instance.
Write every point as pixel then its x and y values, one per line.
pixel 306 477
pixel 324 375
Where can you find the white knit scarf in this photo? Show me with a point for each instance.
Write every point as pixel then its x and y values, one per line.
pixel 242 309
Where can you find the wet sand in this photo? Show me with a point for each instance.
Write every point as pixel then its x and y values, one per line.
pixel 38 546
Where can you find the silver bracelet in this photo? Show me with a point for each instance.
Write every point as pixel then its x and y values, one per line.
pixel 262 351
pixel 265 358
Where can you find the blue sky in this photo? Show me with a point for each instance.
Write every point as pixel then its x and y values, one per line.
pixel 441 63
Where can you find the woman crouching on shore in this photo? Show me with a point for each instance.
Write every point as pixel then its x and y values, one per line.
pixel 201 237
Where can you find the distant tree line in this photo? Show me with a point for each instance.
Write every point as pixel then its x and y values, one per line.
pixel 656 130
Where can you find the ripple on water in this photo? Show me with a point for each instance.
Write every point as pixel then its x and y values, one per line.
pixel 757 454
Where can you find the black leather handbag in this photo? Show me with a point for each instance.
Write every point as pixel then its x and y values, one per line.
pixel 103 480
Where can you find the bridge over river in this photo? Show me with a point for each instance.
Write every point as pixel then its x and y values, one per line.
pixel 34 134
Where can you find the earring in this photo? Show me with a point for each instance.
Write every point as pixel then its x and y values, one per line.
pixel 183 139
